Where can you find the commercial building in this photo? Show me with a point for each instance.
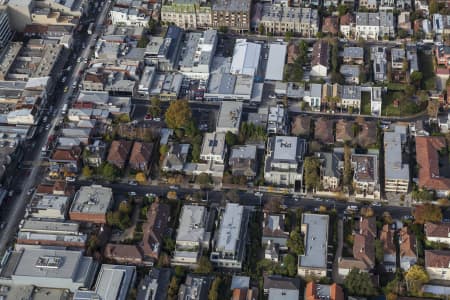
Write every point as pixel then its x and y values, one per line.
pixel 193 236
pixel 155 285
pixel 284 161
pixel 163 52
pixel 229 248
pixel 229 119
pixel 196 56
pixel 315 259
pixel 396 170
pixel 113 282
pixel 6 33
pixel 276 61
pixel 51 233
pixel 128 17
pixel 49 207
pixel 91 203
pixel 234 14
pixel 246 57
pixel 50 268
pixel 195 287
pixel 225 86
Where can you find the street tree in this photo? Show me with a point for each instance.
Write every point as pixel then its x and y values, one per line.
pixel 155 107
pixel 178 114
pixel 415 278
pixel 204 266
pixel 427 213
pixel 214 291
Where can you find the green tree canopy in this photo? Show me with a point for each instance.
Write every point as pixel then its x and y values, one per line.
pixel 415 277
pixel 427 213
pixel 214 291
pixel 295 242
pixel 204 266
pixel 312 176
pixel 359 284
pixel 179 114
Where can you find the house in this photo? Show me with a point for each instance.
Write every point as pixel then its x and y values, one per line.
pixel 193 235
pixel 141 157
pixel 276 120
pixel 320 59
pixel 154 229
pixel 378 56
pixel 390 253
pixel 274 231
pixel 442 54
pixel 365 176
pixel 315 259
pixel 437 264
pixel 363 248
pixel 344 131
pixel 404 21
pixel 241 289
pixel 438 233
pixel 427 157
pixel 350 73
pixel 243 161
pixel 314 291
pixel 229 250
pixel 275 285
pixel 284 161
pixel 94 154
pixel 351 97
pixel 323 131
pixel 376 101
pixel 119 152
pixel 69 158
pixel 347 25
pixel 353 56
pixel 123 254
pixel 444 123
pixel 175 158
pixel 331 165
pixel 314 98
pixel 330 25
pixel 407 242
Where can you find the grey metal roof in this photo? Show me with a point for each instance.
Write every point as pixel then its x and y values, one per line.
pixel 316 241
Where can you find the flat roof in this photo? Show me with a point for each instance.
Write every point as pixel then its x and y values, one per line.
pixel 316 241
pixel 213 143
pixel 94 199
pixel 285 148
pixel 245 57
pixel 276 62
pixel 395 168
pixel 229 115
pixel 114 281
pixel 192 224
pixel 230 228
pixel 49 226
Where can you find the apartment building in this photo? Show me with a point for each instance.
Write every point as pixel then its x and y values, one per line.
pixel 190 14
pixel 365 176
pixel 374 25
pixel 396 170
pixel 229 246
pixel 279 19
pixel 234 14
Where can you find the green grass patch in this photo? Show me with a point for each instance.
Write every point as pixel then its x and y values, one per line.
pixel 393 86
pixel 405 107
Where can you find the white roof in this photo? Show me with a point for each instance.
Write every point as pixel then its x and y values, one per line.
pixel 230 227
pixel 192 224
pixel 275 63
pixel 285 148
pixel 245 58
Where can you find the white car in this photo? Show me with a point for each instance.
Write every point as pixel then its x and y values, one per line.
pixel 131 193
pixel 259 194
pixel 132 182
pixel 173 187
pixel 70 179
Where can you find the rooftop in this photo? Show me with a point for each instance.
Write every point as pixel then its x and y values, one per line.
pixel 365 167
pixel 288 148
pixel 114 281
pixel 230 228
pixel 395 168
pixel 276 61
pixel 229 116
pixel 316 241
pixel 192 224
pixel 94 199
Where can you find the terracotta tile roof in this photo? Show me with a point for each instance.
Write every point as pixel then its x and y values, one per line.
pixel 331 25
pixel 437 258
pixel 350 263
pixel 387 237
pixel 367 134
pixel 63 155
pixel 118 153
pixel 320 53
pixel 437 230
pixel 323 131
pixel 368 226
pixel 347 19
pixel 44 189
pixel 364 249
pixel 154 229
pixel 427 157
pixel 141 155
pixel 35 28
pixel 407 242
pixel 122 252
pixel 239 294
pixel 344 131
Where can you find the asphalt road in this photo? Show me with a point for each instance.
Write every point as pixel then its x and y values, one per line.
pixel 16 209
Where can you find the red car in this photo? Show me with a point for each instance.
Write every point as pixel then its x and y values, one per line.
pixel 148 117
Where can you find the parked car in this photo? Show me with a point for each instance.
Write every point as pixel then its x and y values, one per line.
pixel 70 179
pixel 148 117
pixel 131 193
pixel 132 182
